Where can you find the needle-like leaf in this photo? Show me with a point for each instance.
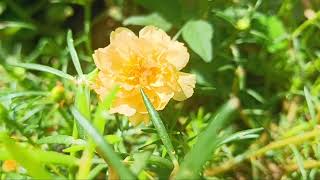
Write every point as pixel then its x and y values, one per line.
pixel 106 150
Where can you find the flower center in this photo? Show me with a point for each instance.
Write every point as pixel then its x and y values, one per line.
pixel 141 73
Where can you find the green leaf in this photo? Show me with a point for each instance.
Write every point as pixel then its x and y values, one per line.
pixel 255 95
pixel 56 139
pixel 82 102
pixel 153 19
pixel 149 143
pixel 73 53
pixel 231 14
pixel 207 142
pixel 38 50
pixel 96 170
pixel 158 124
pixel 246 134
pixel 27 159
pixel 43 68
pixel 275 30
pixel 106 150
pixel 98 122
pixel 112 138
pixel 46 157
pixel 15 24
pixel 198 34
pixel 7 96
pixel 299 160
pixel 99 118
pixel 60 139
pixel 74 148
pixel 310 104
pixel 140 161
pixel 55 158
pixel 162 162
pixel 275 27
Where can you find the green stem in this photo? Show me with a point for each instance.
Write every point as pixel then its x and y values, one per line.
pixel 98 122
pixel 304 25
pixel 87 25
pixel 86 160
pixel 158 124
pixel 281 143
pixel 106 151
pixel 298 139
pixel 308 164
pixel 83 104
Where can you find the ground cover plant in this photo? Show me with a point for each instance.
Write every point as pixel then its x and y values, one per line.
pixel 170 89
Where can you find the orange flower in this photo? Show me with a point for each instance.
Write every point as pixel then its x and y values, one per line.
pixel 9 165
pixel 152 62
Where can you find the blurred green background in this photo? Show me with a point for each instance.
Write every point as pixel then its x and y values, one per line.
pixel 264 53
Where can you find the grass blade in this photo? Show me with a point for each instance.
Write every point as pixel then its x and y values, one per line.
pixel 299 160
pixel 60 139
pixel 162 162
pixel 207 142
pixel 241 135
pixel 162 132
pixel 8 96
pixel 96 170
pixel 43 68
pixel 28 160
pixel 140 161
pixel 99 120
pixel 82 102
pixel 73 53
pixel 46 157
pixel 106 150
pixel 310 104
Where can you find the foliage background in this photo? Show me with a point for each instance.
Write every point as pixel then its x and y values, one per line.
pixel 266 54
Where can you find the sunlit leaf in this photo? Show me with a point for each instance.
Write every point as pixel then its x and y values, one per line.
pixel 158 124
pixel 198 34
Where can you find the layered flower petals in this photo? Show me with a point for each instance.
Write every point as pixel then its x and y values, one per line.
pixel 187 83
pixel 152 62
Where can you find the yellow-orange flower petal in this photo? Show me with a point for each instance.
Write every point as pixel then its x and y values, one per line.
pixel 138 118
pixel 152 62
pixel 9 165
pixel 187 84
pixel 175 51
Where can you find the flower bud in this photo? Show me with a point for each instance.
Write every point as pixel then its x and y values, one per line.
pixel 243 23
pixel 19 72
pixel 57 93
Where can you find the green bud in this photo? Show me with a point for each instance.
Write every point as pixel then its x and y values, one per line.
pixel 57 93
pixel 296 84
pixel 69 97
pixel 19 72
pixel 59 12
pixel 2 7
pixel 243 23
pixel 115 13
